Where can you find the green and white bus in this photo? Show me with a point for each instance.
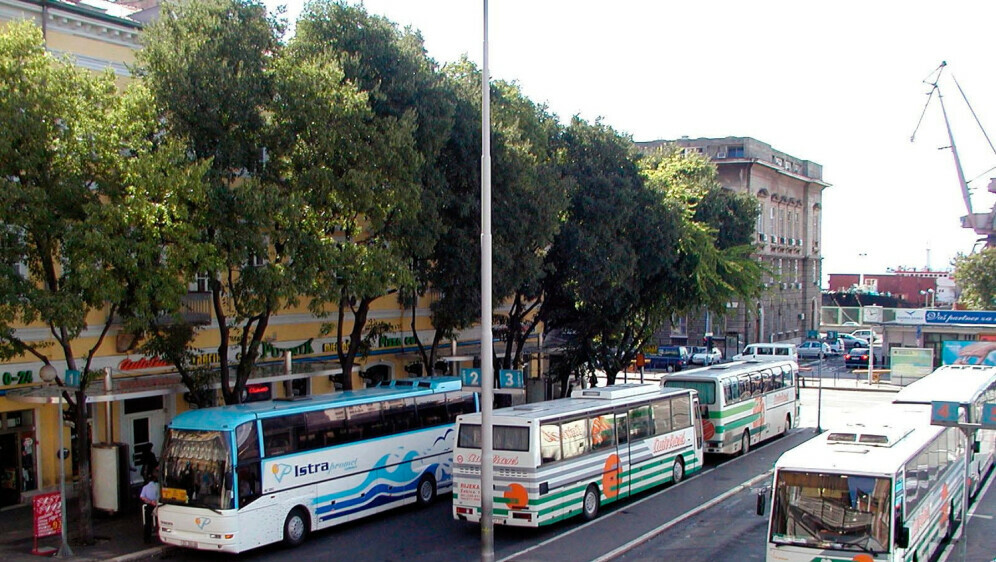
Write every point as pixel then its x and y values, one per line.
pixel 875 492
pixel 743 402
pixel 969 385
pixel 557 459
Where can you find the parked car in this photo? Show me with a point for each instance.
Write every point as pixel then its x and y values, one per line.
pixel 836 346
pixel 849 324
pixel 867 335
pixel 851 342
pixel 858 357
pixel 706 356
pixel 813 349
pixel 670 358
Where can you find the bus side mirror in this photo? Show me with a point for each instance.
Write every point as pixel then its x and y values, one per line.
pixel 902 537
pixel 760 500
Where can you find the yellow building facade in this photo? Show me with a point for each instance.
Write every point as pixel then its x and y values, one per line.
pixel 136 397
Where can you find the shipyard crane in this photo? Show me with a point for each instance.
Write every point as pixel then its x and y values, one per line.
pixel 984 224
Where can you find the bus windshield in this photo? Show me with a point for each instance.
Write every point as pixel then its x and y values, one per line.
pixel 832 511
pixel 195 469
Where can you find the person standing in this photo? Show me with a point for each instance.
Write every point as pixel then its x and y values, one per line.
pixel 150 498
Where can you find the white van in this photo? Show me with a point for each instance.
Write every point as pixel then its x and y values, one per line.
pixel 770 351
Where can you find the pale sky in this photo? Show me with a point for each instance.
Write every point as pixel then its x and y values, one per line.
pixel 838 83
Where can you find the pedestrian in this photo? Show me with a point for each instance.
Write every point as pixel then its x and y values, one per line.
pixel 150 498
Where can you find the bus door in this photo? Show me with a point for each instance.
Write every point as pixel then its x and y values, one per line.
pixel 622 452
pixel 698 420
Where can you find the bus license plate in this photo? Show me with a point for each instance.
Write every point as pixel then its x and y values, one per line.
pixel 188 544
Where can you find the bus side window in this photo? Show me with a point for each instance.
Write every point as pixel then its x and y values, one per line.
pixel 662 416
pixel 745 390
pixel 279 434
pixel 602 431
pixel 365 421
pixel 574 437
pixel 622 428
pixel 431 410
pixel 681 412
pixel 550 442
pixel 639 423
pixel 400 414
pixel 457 404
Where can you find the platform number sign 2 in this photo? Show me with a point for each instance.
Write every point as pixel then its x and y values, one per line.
pixel 470 377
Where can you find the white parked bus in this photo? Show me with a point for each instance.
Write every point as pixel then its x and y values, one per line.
pixel 743 402
pixel 557 459
pixel 872 492
pixel 971 386
pixel 238 477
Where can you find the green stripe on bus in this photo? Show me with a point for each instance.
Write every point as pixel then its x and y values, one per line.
pixel 731 411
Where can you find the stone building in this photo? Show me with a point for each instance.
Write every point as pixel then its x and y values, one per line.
pixel 790 193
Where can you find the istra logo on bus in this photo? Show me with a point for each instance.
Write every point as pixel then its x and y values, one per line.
pixel 281 470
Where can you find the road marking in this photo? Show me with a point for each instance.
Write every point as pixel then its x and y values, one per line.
pixel 657 531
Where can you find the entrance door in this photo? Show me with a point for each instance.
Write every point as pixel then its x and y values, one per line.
pixel 143 425
pixel 10 484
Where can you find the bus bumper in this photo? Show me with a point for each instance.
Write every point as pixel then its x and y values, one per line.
pixel 514 518
pixel 201 541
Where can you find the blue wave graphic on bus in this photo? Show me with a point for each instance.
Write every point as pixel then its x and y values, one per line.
pixel 381 486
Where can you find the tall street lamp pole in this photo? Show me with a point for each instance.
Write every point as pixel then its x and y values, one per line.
pixel 487 355
pixel 48 374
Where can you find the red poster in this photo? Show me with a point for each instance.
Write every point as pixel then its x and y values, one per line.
pixel 47 514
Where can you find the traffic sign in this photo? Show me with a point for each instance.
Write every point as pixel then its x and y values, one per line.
pixel 944 413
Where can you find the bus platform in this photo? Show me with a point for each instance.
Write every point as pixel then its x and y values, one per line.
pixel 118 537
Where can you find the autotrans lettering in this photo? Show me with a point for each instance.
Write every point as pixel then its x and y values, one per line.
pixel 669 443
pixel 497 460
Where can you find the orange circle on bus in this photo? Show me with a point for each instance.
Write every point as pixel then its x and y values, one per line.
pixel 862 558
pixel 610 476
pixel 516 495
pixel 708 429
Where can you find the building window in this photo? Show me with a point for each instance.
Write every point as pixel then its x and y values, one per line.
pixel 679 327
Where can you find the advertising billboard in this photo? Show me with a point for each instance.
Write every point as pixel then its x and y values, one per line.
pixel 910 363
pixel 968 353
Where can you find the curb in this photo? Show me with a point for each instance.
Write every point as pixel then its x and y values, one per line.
pixel 141 554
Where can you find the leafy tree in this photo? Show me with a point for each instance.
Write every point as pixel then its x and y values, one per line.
pixel 210 67
pixel 386 199
pixel 975 275
pixel 607 262
pixel 528 197
pixel 93 202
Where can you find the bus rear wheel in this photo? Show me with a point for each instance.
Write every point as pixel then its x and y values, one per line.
pixel 678 472
pixel 295 527
pixel 589 509
pixel 425 493
pixel 745 443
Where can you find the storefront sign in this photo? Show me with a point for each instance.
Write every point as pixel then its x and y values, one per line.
pixel 17 378
pixel 972 317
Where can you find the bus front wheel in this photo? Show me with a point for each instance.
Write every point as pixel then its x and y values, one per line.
pixel 426 491
pixel 745 443
pixel 295 527
pixel 678 472
pixel 591 503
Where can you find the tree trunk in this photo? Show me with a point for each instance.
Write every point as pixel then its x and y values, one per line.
pixel 85 529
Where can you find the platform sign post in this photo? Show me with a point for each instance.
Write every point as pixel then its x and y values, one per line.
pixel 46 520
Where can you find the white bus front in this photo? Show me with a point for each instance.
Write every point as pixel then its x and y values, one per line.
pixel 826 516
pixel 197 499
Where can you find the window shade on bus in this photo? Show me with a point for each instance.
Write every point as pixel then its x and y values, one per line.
pixel 506 437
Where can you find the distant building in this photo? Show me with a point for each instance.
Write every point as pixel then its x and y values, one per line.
pixel 790 193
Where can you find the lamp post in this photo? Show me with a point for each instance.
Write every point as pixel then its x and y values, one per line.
pixel 48 375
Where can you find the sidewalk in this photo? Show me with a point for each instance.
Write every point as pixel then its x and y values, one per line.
pixel 118 537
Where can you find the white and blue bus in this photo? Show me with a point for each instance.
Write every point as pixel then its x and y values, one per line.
pixel 968 385
pixel 238 477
